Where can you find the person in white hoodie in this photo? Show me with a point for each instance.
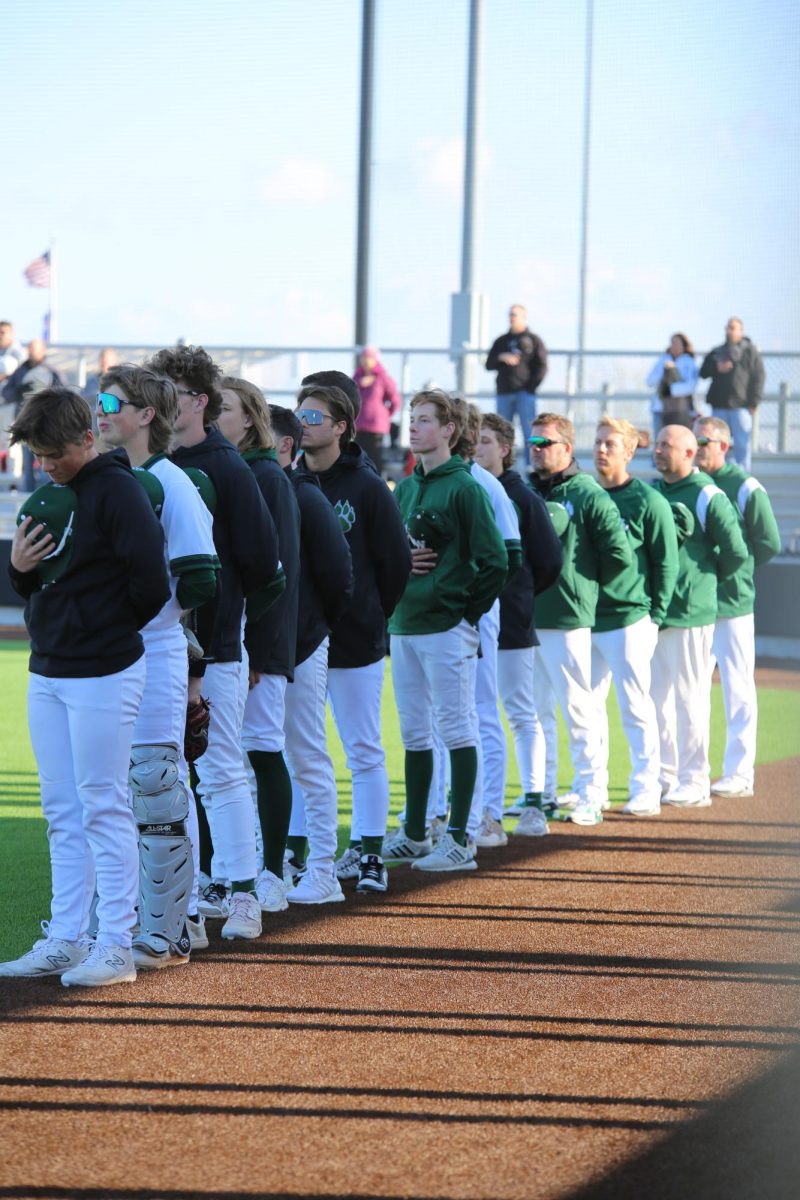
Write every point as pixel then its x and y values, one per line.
pixel 674 377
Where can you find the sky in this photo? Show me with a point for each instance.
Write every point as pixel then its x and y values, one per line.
pixel 196 164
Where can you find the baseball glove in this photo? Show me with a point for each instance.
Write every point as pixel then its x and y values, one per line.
pixel 195 737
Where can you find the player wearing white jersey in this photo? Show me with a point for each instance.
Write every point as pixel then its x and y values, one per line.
pixel 136 409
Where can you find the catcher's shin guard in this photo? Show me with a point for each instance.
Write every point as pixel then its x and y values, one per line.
pixel 161 807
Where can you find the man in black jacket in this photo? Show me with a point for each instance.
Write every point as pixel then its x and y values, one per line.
pixel 31 376
pixel 737 377
pixel 381 557
pixel 520 359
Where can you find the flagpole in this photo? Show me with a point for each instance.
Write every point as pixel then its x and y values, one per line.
pixel 51 312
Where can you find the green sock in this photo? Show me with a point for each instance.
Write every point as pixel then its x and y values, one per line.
pixel 355 844
pixel 463 773
pixel 243 885
pixel 370 845
pixel 274 793
pixel 419 773
pixel 533 800
pixel 298 848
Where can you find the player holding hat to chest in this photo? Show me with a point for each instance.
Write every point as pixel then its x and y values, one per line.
pixel 87 671
pixel 136 409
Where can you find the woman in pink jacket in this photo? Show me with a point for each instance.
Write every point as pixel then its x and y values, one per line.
pixel 380 401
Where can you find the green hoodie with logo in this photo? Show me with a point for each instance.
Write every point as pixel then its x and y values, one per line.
pixel 736 594
pixel 449 512
pixel 711 546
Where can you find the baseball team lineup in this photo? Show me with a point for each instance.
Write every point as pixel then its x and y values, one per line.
pixel 207 571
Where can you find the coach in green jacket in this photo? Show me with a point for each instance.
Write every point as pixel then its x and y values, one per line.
pixel 711 546
pixel 734 641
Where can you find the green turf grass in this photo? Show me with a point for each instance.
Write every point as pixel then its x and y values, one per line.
pixel 24 864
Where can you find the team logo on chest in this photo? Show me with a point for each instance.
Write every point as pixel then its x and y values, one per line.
pixel 346 514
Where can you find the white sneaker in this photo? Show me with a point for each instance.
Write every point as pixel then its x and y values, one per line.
pixel 532 823
pixel 568 801
pixel 516 809
pixel 197 933
pixel 48 956
pixel 103 965
pixel 642 806
pixel 244 920
pixel 271 892
pixel 586 812
pixel 316 886
pixel 214 901
pixel 447 855
pixel 731 785
pixel 687 797
pixel 490 833
pixel 398 847
pixel 154 954
pixel 349 865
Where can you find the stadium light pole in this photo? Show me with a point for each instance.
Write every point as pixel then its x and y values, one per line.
pixel 587 147
pixel 364 172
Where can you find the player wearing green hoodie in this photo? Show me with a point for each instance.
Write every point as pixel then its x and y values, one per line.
pixel 711 547
pixel 459 568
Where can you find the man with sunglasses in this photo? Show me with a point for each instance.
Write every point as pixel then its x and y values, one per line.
pixel 136 411
pixel 247 546
pixel 733 644
pixel 595 549
pixel 381 565
pixel 711 548
pixel 88 594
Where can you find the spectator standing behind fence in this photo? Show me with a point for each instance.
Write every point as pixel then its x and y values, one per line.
pixel 31 376
pixel 674 377
pixel 380 402
pixel 520 359
pixel 108 359
pixel 737 387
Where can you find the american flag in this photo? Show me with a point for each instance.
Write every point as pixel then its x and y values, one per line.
pixel 37 273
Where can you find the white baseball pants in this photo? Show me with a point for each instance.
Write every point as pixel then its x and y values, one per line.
pixel 314 800
pixel 515 688
pixel 356 694
pixel 490 785
pixel 734 648
pixel 681 691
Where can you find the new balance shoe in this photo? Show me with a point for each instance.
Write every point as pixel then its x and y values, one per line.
pixel 349 865
pixel 687 797
pixel 214 901
pixel 271 892
pixel 586 812
pixel 731 785
pixel 197 933
pixel 448 855
pixel 153 953
pixel 532 823
pixel 316 886
pixel 490 833
pixel 244 917
pixel 48 956
pixel 399 847
pixel 373 876
pixel 102 966
pixel 642 806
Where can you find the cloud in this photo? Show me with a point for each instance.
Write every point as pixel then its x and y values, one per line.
pixel 441 164
pixel 300 181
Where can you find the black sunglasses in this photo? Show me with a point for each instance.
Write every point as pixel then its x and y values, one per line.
pixel 540 443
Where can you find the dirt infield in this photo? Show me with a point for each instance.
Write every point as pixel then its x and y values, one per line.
pixel 605 1012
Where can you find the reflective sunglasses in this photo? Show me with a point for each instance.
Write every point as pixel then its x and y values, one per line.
pixel 110 404
pixel 707 441
pixel 312 416
pixel 540 443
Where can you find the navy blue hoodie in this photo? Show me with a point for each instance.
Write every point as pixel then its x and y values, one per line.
pixel 326 568
pixel 245 539
pixel 379 547
pixel 86 623
pixel 541 564
pixel 271 639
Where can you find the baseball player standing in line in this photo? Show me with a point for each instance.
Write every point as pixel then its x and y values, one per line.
pixel 88 594
pixel 460 567
pixel 734 643
pixel 247 546
pixel 711 548
pixel 595 551
pixel 326 587
pixel 630 610
pixel 541 566
pixel 356 658
pixel 271 640
pixel 136 410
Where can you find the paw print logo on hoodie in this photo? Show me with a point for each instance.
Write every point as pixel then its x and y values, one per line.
pixel 346 514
